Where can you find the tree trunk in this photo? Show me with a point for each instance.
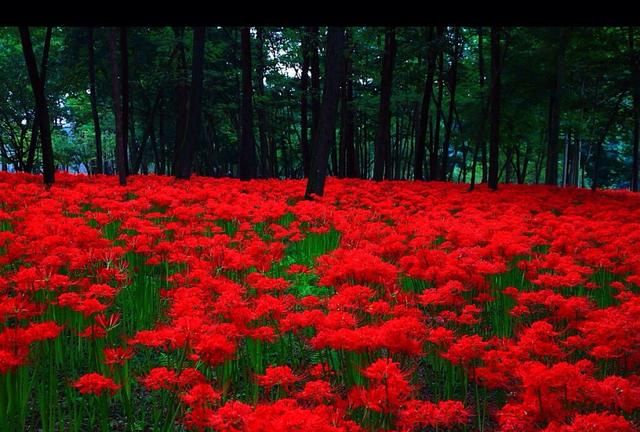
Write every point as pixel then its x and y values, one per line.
pixel 117 110
pixel 247 162
pixel 551 174
pixel 182 93
pixel 598 156
pixel 42 111
pixel 421 137
pixel 304 89
pixel 334 70
pixel 124 81
pixel 314 40
pixel 435 143
pixel 383 133
pixel 94 102
pixel 495 108
pixel 265 156
pixel 635 83
pixel 349 155
pixel 31 154
pixel 481 144
pixel 453 81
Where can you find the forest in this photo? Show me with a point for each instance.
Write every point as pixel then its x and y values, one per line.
pixel 319 229
pixel 554 105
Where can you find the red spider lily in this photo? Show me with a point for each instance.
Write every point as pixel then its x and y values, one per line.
pixel 278 376
pixel 117 356
pixel 94 383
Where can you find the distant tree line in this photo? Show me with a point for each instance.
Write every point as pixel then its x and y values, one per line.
pixel 559 106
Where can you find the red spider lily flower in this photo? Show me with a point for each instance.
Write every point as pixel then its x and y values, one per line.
pixel 317 391
pixel 277 376
pixel 594 422
pixel 201 395
pixel 94 383
pixel 117 356
pixel 215 349
pixel 160 378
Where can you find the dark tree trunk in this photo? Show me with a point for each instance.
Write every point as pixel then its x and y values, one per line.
pixel 117 110
pixel 597 175
pixel 314 40
pixel 421 137
pixel 435 143
pixel 247 162
pixel 124 81
pixel 348 155
pixel 480 143
pixel 635 77
pixel 334 70
pixel 495 108
pixel 382 145
pixel 42 111
pixel 265 156
pixel 304 90
pixel 194 122
pixel 94 102
pixel 31 154
pixel 453 81
pixel 182 92
pixel 551 174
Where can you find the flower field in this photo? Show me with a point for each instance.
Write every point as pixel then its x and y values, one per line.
pixel 220 305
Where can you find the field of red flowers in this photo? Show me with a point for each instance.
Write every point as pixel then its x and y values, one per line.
pixel 224 305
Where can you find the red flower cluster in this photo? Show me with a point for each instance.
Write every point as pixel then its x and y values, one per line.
pixel 525 300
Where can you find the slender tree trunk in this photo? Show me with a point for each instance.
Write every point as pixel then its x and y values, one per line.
pixel 265 156
pixel 597 175
pixel 94 102
pixel 314 40
pixel 635 83
pixel 495 108
pixel 421 137
pixel 124 81
pixel 334 70
pixel 383 134
pixel 551 174
pixel 42 111
pixel 117 110
pixel 182 93
pixel 453 81
pixel 349 165
pixel 31 154
pixel 435 143
pixel 247 165
pixel 304 89
pixel 480 143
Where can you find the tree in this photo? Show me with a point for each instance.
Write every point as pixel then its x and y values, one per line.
pixel 635 85
pixel 185 158
pixel 348 155
pixel 551 175
pixel 480 143
pixel 304 117
pixel 424 108
pixel 124 82
pixel 42 111
pixel 94 101
pixel 121 160
pixel 314 40
pixel 326 126
pixel 267 155
pixel 453 82
pixel 31 154
pixel 382 143
pixel 494 142
pixel 247 159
